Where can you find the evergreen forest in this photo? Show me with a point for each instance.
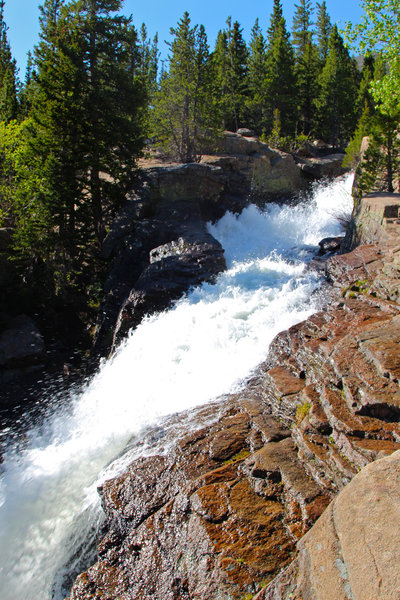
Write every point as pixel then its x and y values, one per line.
pixel 96 98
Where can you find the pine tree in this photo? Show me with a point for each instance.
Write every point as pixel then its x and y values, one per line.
pixel 364 97
pixel 256 80
pixel 182 114
pixel 230 67
pixel 280 82
pixel 336 101
pixel 219 66
pixel 8 74
pixel 148 61
pixel 323 31
pixel 114 96
pixel 83 135
pixel 275 20
pixel 301 27
pixel 25 96
pixel 306 64
pixel 380 168
pixel 365 110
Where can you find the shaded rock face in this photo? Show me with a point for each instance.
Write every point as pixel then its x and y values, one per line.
pixel 5 238
pixel 22 349
pixel 155 261
pixel 174 268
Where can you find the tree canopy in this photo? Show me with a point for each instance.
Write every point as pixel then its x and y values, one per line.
pixel 379 31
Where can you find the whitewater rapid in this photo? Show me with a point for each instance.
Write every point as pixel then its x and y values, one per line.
pixel 205 346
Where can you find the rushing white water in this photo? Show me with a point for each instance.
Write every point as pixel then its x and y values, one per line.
pixel 205 346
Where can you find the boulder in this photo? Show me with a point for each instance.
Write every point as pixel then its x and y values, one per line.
pixel 255 170
pixel 324 166
pixel 235 143
pixel 353 551
pixel 375 220
pixel 330 245
pixel 173 269
pixel 246 132
pixel 154 262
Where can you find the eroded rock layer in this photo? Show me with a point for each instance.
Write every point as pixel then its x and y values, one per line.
pixel 217 513
pixel 211 518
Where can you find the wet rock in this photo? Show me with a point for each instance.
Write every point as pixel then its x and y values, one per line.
pixel 330 244
pixel 211 518
pixel 174 268
pixel 155 262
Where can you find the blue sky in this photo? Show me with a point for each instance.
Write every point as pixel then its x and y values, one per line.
pixel 21 17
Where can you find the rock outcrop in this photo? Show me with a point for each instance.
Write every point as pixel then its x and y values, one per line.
pixel 254 169
pixel 220 511
pixel 353 551
pixel 324 166
pixel 212 517
pixel 155 260
pixel 376 219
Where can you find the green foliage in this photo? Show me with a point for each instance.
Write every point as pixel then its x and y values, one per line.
pixel 148 56
pixel 70 163
pixel 302 411
pixel 229 61
pixel 353 150
pixel 336 101
pixel 255 103
pixel 285 143
pixel 280 83
pixel 183 114
pixel 301 27
pixel 307 65
pixel 323 31
pixel 8 74
pixel 381 162
pixel 20 188
pixel 380 31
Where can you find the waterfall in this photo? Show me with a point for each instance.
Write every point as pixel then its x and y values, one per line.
pixel 205 346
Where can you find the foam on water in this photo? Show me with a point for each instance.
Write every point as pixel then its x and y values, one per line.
pixel 205 346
